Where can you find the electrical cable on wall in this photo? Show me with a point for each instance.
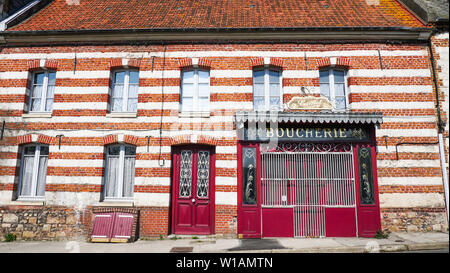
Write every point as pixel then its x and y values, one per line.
pixel 162 107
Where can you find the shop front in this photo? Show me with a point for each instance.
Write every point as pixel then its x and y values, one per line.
pixel 307 174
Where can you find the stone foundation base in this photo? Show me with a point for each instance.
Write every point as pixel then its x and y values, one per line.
pixel 41 223
pixel 414 219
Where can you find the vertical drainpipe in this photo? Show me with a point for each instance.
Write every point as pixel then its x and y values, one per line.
pixel 441 128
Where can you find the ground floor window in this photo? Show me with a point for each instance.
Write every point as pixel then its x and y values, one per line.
pixel 33 172
pixel 120 166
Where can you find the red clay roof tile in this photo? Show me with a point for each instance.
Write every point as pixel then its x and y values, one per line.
pixel 217 14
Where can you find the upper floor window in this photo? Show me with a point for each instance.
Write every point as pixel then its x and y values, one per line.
pixel 124 95
pixel 120 165
pixel 33 171
pixel 333 87
pixel 42 91
pixel 195 90
pixel 267 90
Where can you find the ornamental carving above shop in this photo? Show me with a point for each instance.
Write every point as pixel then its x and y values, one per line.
pixel 309 102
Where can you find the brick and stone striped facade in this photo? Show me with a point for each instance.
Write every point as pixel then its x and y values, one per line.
pixel 402 90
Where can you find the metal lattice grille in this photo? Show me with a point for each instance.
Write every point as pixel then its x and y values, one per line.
pixel 203 174
pixel 308 180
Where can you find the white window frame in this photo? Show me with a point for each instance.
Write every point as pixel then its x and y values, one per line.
pixel 34 177
pixel 267 89
pixel 331 83
pixel 121 170
pixel 195 100
pixel 125 92
pixel 43 97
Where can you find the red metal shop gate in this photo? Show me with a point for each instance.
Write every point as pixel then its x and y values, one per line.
pixel 308 190
pixel 312 185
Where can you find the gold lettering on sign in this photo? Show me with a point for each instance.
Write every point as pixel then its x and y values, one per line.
pixel 291 134
pixel 335 132
pixel 327 132
pixel 270 132
pixel 309 132
pixel 318 132
pixel 296 132
pixel 342 133
pixel 280 130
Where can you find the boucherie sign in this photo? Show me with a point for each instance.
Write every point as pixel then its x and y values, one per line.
pixel 293 133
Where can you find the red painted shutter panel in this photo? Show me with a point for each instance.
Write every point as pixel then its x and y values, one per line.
pixel 103 223
pixel 123 226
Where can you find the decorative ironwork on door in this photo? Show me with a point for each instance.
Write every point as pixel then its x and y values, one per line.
pixel 203 174
pixel 365 176
pixel 249 176
pixel 185 173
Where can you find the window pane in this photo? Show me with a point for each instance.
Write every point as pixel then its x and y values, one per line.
pixel 203 76
pixel 112 176
pixel 116 105
pixel 325 90
pixel 49 105
pixel 274 89
pixel 258 76
pixel 339 76
pixel 340 103
pixel 132 105
pixel 133 91
pixel 35 105
pixel 130 150
pixel 116 99
pixel 132 98
pixel 134 77
pixel 44 151
pixel 274 76
pixel 258 89
pixel 117 91
pixel 27 175
pixel 324 76
pixel 42 173
pixel 258 103
pixel 50 94
pixel 51 78
pixel 37 91
pixel 339 89
pixel 274 103
pixel 203 104
pixel 128 176
pixel 203 90
pixel 119 77
pixel 187 104
pixel 39 78
pixel 36 98
pixel 30 150
pixel 188 76
pixel 114 150
pixel 188 90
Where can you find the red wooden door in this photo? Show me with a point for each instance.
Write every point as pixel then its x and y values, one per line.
pixel 193 190
pixel 249 199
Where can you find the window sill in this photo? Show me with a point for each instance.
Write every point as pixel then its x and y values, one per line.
pixel 116 203
pixel 29 201
pixel 194 114
pixel 37 115
pixel 122 115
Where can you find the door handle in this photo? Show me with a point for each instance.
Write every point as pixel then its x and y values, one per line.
pixel 193 200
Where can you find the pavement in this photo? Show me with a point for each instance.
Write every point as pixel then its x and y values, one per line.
pixel 396 242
